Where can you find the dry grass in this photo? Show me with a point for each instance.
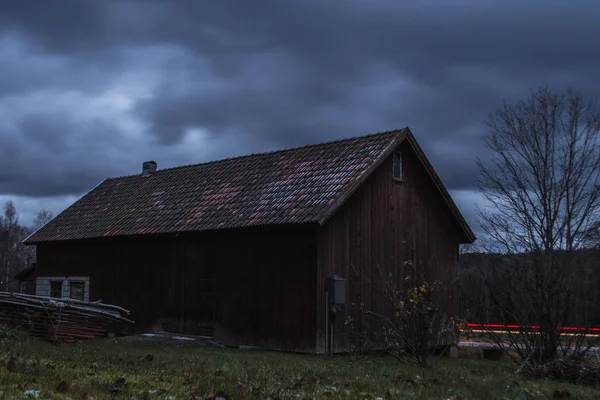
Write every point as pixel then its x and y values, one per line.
pixel 130 370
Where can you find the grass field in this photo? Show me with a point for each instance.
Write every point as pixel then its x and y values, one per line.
pixel 109 369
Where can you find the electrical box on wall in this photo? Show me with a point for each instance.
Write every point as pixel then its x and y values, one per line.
pixel 336 292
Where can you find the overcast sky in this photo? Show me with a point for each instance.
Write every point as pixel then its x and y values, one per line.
pixel 91 89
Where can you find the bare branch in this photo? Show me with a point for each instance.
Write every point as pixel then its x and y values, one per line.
pixel 543 179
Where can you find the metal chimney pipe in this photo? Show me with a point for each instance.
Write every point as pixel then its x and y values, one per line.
pixel 149 167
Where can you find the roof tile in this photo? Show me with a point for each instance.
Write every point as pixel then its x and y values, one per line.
pixel 286 186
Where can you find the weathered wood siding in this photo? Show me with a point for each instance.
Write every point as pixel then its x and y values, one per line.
pixel 254 287
pixel 43 285
pixel 385 223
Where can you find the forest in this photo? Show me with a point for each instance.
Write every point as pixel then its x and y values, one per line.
pixel 14 255
pixel 477 304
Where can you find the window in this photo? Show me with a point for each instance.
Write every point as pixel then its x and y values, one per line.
pixel 397 169
pixel 56 289
pixel 77 290
pixel 74 287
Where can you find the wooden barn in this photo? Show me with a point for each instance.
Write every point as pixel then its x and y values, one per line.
pixel 243 248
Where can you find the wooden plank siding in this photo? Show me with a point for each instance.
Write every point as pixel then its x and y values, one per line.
pixel 383 224
pixel 262 282
pixel 43 285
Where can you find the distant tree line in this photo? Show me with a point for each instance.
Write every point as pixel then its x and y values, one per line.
pixel 477 305
pixel 14 255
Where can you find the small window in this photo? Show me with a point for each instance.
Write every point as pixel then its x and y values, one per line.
pixel 56 289
pixel 77 289
pixel 397 169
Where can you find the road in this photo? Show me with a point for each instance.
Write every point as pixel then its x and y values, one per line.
pixel 593 351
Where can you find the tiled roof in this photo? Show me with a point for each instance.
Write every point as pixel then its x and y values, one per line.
pixel 24 272
pixel 298 185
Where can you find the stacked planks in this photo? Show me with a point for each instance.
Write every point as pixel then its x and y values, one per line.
pixel 59 320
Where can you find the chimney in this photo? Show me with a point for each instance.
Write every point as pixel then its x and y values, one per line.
pixel 148 167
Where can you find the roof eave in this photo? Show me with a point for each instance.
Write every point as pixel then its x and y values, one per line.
pixel 302 223
pixel 469 235
pixel 28 242
pixel 24 272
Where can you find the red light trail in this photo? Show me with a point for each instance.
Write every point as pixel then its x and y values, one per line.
pixel 532 327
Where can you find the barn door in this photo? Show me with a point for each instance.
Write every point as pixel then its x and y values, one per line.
pixel 199 291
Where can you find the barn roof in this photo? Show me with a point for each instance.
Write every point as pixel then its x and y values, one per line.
pixel 23 273
pixel 301 185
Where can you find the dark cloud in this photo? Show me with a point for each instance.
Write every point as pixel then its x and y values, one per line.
pixel 267 74
pixel 53 155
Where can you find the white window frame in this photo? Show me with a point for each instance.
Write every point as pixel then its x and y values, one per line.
pixel 43 285
pixel 71 282
pixel 397 170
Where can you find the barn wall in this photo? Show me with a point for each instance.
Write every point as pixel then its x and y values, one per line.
pixel 255 288
pixel 385 223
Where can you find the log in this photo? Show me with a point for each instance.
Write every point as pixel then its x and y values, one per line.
pixel 97 303
pixel 59 320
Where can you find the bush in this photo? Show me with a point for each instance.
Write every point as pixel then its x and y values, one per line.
pixel 416 324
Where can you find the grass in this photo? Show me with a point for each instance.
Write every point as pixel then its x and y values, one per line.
pixel 106 369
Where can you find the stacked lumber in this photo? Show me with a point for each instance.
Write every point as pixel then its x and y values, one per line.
pixel 59 320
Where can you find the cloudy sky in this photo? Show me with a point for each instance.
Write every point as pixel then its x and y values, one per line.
pixel 91 89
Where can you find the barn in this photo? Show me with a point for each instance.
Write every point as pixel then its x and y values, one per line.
pixel 244 248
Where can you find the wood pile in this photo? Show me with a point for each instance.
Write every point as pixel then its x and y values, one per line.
pixel 59 320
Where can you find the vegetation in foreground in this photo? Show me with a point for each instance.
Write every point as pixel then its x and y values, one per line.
pixel 141 370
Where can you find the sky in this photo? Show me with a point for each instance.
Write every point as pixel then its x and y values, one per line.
pixel 91 89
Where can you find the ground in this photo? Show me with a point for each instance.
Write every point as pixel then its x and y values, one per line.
pixel 179 370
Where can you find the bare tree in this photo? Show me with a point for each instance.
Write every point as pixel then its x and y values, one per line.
pixel 14 255
pixel 10 235
pixel 593 235
pixel 543 181
pixel 41 219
